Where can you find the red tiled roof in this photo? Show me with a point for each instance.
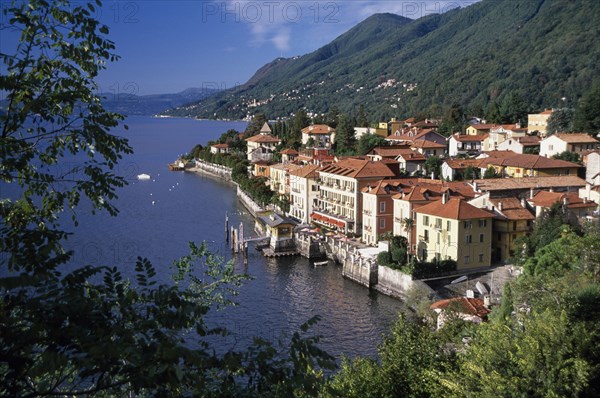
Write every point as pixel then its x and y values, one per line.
pixel 470 137
pixel 576 138
pixel 455 209
pixel 263 138
pixel 427 144
pixel 357 168
pixel 308 171
pixel 318 129
pixel 547 199
pixel 461 164
pixel 220 146
pixel 526 161
pixel 391 151
pixel 289 151
pixel 503 184
pixel 511 209
pixel 465 305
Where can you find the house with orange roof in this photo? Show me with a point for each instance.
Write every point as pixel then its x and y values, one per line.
pixel 517 165
pixel 322 136
pixel 387 152
pixel 378 208
pixel 466 308
pixel 304 191
pixel 453 229
pixel 571 142
pixel 339 205
pixel 279 177
pixel 513 219
pixel 479 129
pixel 522 187
pixel 454 169
pixel 219 148
pixel 289 155
pixel 429 148
pixel 538 122
pixel 262 145
pixel 582 208
pixel 466 144
pixel 501 133
pixel 528 144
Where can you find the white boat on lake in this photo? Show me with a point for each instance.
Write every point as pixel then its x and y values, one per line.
pixel 143 176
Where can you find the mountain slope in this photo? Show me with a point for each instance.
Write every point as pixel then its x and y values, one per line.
pixel 545 50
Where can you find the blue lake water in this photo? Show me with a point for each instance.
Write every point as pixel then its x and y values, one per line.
pixel 283 294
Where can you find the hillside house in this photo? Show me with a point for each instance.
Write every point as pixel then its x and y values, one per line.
pixel 572 142
pixel 322 136
pixel 538 122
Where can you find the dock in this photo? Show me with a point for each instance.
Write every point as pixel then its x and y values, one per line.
pixel 270 253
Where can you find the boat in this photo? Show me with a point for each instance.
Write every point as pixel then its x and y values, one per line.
pixel 143 176
pixel 460 279
pixel 318 263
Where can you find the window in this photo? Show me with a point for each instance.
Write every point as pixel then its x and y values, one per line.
pixel 438 223
pixel 448 224
pixel 381 223
pixel 426 221
pixel 480 238
pixel 468 238
pixel 424 254
pixel 514 225
pixel 382 207
pixel 481 258
pixel 499 236
pixel 467 259
pixel 438 238
pixel 468 224
pixel 482 223
pixel 550 147
pixel 426 235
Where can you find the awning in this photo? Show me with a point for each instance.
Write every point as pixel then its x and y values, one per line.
pixel 328 220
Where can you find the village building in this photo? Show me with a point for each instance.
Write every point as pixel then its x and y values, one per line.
pixel 304 191
pixel 360 131
pixel 466 144
pixel 279 229
pixel 591 193
pixel 318 136
pixel 581 208
pixel 512 220
pixel 378 209
pixel 466 308
pixel 289 155
pixel 501 133
pixel 479 129
pixel 529 144
pixel 340 200
pixel 279 177
pixel 522 187
pixel 537 123
pixel 571 142
pixel 510 164
pixel 219 148
pixel 457 169
pixel 262 145
pixel 452 229
pixel 591 161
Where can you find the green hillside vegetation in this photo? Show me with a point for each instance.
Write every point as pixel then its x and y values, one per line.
pixel 474 57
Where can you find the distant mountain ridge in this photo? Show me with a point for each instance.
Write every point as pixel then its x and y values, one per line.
pixel 545 50
pixel 130 104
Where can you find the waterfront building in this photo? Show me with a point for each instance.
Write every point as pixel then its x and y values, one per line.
pixel 304 191
pixel 378 209
pixel 262 145
pixel 466 308
pixel 279 229
pixel 339 205
pixel 279 177
pixel 513 220
pixel 219 148
pixel 572 142
pixel 452 229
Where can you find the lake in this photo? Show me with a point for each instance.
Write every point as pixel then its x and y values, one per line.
pixel 158 217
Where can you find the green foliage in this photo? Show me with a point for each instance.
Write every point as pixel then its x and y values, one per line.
pixel 257 122
pixel 408 353
pixel 369 141
pixel 568 156
pixel 491 172
pixel 453 120
pixel 433 164
pixel 539 356
pixel 429 52
pixel 384 258
pixel 587 113
pixel 345 140
pixel 423 269
pixel 561 121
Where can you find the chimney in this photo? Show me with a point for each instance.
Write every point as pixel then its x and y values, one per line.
pixel 565 201
pixel 487 302
pixel 432 175
pixel 588 190
pixel 523 203
pixel 444 198
pixel 500 206
pixel 530 193
pixel 475 186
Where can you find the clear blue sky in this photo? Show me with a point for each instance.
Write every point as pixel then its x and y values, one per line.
pixel 168 46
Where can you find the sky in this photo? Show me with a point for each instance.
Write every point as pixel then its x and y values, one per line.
pixel 168 46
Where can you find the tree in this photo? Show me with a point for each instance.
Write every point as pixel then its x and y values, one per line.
pixel 369 141
pixel 361 118
pixel 513 108
pixel 433 164
pixel 333 117
pixel 567 156
pixel 300 121
pixel 453 120
pixel 257 122
pixel 80 330
pixel 587 112
pixel 345 140
pixel 560 121
pixel 491 172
